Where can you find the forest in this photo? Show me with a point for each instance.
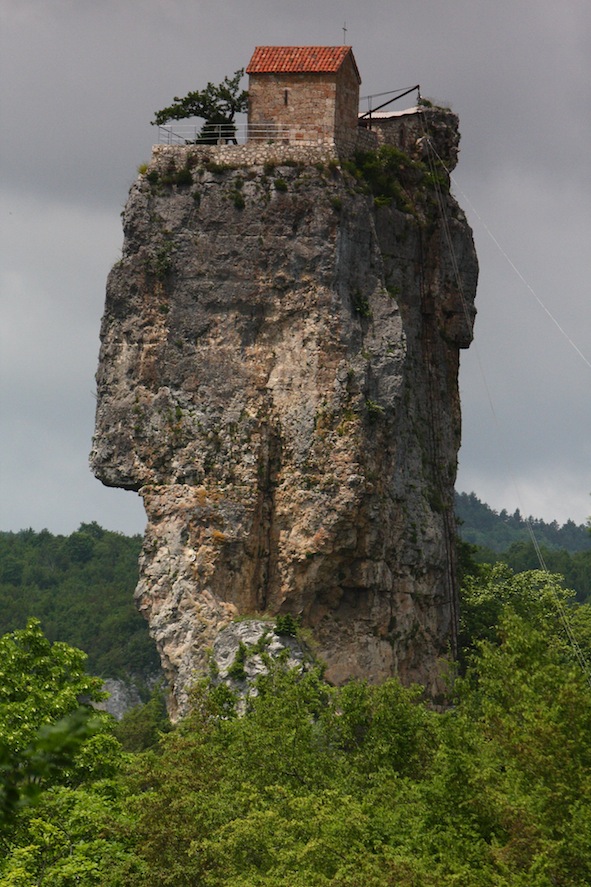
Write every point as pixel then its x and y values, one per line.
pixel 80 587
pixel 313 785
pixel 516 540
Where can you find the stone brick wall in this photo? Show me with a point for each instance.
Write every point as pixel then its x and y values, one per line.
pixel 409 132
pixel 350 140
pixel 347 96
pixel 292 100
pixel 252 154
pixel 319 102
pixel 345 143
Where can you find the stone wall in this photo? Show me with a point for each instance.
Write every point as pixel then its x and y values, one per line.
pixel 251 154
pixel 409 131
pixel 347 97
pixel 348 141
pixel 292 100
pixel 258 153
pixel 320 102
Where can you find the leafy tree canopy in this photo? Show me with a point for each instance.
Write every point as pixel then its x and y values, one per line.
pixel 80 587
pixel 216 104
pixel 489 537
pixel 40 682
pixel 43 720
pixel 482 525
pixel 317 786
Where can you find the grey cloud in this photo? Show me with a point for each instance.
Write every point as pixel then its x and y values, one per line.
pixel 79 84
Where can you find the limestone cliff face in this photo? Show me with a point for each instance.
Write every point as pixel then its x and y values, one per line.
pixel 278 379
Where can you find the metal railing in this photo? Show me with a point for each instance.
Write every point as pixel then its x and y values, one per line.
pixel 241 133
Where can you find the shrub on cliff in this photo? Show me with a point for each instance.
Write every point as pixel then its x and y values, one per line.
pixel 217 105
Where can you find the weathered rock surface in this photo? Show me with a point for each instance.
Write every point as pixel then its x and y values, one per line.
pixel 244 651
pixel 123 696
pixel 278 379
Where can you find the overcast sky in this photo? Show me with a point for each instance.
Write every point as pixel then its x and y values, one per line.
pixel 80 80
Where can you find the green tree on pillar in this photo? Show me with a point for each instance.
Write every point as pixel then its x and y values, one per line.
pixel 216 104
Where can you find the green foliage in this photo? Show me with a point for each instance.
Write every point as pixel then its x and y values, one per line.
pixel 575 568
pixel 160 263
pixel 389 174
pixel 361 304
pixel 42 723
pixel 172 176
pixel 238 199
pixel 375 411
pixel 482 525
pixel 237 671
pixel 359 785
pixel 216 104
pixel 467 564
pixel 287 625
pixel 81 589
pixel 58 760
pixel 141 727
pixel 565 549
pixel 170 173
pixel 40 682
pixel 382 200
pixel 49 753
pixel 74 836
pixel 317 785
pixel 535 595
pixel 366 785
pixel 280 184
pixel 526 702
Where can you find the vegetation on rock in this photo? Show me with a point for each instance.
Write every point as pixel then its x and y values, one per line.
pixel 393 177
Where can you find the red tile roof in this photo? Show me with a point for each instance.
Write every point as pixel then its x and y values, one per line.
pixel 299 59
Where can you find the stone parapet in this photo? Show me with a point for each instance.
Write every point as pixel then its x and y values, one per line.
pixel 259 153
pixel 351 140
pixel 252 154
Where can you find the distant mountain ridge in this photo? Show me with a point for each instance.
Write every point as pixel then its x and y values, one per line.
pixel 479 524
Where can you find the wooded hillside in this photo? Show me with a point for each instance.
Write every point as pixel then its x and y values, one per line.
pixel 514 540
pixel 81 588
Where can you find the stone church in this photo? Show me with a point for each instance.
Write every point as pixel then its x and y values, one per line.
pixel 312 89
